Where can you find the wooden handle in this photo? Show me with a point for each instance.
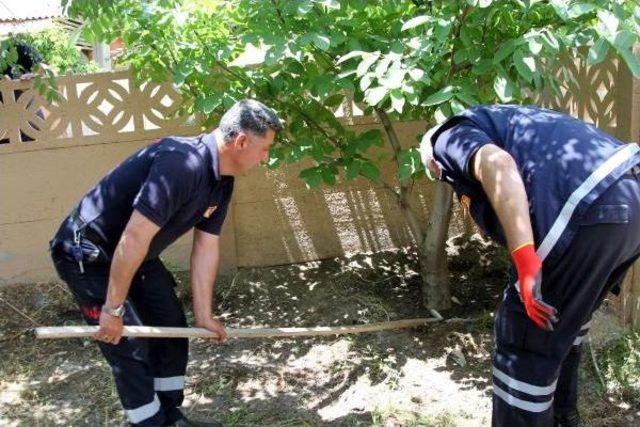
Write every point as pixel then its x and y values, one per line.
pixel 168 332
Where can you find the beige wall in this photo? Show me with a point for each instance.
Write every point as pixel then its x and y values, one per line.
pixel 102 119
pixel 279 221
pixel 274 219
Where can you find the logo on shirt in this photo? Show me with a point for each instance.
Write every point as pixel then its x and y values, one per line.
pixel 210 210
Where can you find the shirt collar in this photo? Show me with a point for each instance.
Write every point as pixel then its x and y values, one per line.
pixel 209 141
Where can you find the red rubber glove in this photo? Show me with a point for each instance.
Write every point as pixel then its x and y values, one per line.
pixel 529 269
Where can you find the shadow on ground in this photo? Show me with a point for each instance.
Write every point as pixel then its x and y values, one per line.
pixel 435 375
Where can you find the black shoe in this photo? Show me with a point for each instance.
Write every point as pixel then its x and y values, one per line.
pixel 185 422
pixel 570 419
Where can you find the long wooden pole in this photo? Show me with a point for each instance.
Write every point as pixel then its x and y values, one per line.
pixel 169 332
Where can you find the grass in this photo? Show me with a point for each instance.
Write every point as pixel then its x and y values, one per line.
pixel 384 417
pixel 621 367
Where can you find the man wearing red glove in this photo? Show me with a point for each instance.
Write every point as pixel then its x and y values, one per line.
pixel 565 198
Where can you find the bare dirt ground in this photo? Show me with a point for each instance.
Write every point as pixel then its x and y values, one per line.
pixel 436 375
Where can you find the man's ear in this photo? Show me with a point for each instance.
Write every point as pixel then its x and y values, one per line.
pixel 435 167
pixel 241 141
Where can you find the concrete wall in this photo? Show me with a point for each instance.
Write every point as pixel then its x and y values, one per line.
pixel 277 220
pixel 48 161
pixel 103 119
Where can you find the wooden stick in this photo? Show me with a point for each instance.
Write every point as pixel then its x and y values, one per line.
pixel 169 332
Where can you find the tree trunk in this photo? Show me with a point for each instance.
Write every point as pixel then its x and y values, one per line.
pixel 431 242
pixel 432 253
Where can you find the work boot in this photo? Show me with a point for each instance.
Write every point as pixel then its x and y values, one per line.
pixel 186 422
pixel 570 419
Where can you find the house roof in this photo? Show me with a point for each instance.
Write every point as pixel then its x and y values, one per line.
pixel 22 10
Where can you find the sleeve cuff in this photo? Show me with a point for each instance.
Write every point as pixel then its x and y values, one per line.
pixel 148 213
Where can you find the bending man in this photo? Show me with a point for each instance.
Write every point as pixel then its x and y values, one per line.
pixel 565 198
pixel 107 252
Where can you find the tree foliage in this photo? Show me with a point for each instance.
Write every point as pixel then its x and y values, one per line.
pixel 397 59
pixel 408 60
pixel 56 46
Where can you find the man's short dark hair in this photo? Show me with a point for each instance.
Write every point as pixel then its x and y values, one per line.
pixel 248 115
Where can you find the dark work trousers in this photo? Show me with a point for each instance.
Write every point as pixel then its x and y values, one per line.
pixel 149 373
pixel 535 372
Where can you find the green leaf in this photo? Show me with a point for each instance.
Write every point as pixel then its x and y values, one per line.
pixel 352 170
pixel 397 101
pixel 442 113
pixel 330 4
pixel 375 95
pixel 439 97
pixel 295 67
pixel 393 79
pixel 275 54
pixel 323 85
pixel 334 100
pixel 503 88
pixel 370 171
pixel 456 107
pixel 409 163
pixel 580 9
pixel 382 66
pixel 228 101
pixel 312 177
pixel 550 40
pixel 598 52
pixel 404 173
pixel 321 41
pixel 415 22
pixel 534 46
pixel 416 74
pixel 460 56
pixel 350 55
pixel 625 39
pixel 208 104
pixel 561 9
pixel 328 177
pixel 181 72
pixel 632 61
pixel 367 61
pixel 276 155
pixel 483 67
pixel 443 26
pixel 506 49
pixel 608 25
pixel 364 140
pixel 525 65
pixel 467 98
pixel 304 7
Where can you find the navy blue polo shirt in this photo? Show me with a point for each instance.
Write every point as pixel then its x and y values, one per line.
pixel 554 152
pixel 174 182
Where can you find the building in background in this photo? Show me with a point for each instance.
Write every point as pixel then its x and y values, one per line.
pixel 32 16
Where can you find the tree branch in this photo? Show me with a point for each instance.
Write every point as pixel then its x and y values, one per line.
pixel 404 196
pixel 453 67
pixel 277 8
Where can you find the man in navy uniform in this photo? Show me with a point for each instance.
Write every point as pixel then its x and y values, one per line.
pixel 565 198
pixel 107 252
